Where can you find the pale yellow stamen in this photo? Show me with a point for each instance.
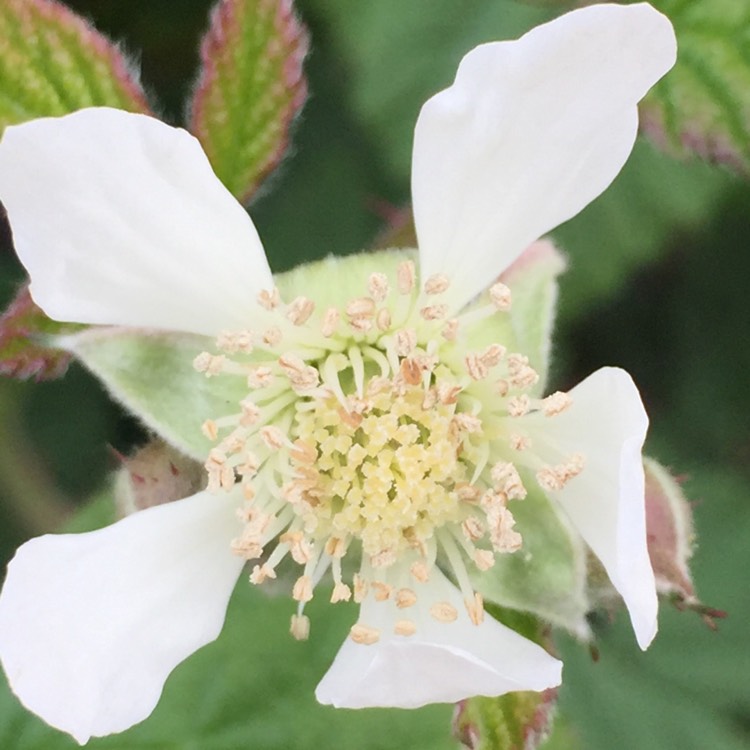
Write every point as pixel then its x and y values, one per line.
pixel 406 276
pixel 444 612
pixel 330 322
pixel 420 571
pixel 300 627
pixel 272 337
pixel 303 589
pixel 405 598
pixel 341 593
pixel 436 284
pixel 269 300
pixel 364 634
pixel 378 286
pixel 450 330
pixel 300 310
pixel 383 319
pixel 434 312
pixel 556 403
pixel 500 296
pixel 381 591
pixel 261 573
pixel 519 405
pixel 210 429
pixel 475 609
pixel 405 627
pixel 361 587
pixel 301 376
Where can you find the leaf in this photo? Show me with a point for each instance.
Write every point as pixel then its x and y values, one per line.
pixel 52 62
pixel 26 350
pixel 514 721
pixel 250 89
pixel 703 105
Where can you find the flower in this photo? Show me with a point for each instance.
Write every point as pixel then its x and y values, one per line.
pixel 384 428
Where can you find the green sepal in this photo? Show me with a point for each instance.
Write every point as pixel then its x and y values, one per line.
pixel 547 576
pixel 152 375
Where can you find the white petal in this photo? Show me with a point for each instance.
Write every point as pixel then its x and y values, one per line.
pixel 530 132
pixel 440 663
pixel 119 219
pixel 606 502
pixel 92 624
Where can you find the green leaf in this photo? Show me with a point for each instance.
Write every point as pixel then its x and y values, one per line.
pixel 52 62
pixel 250 89
pixel 152 375
pixel 26 344
pixel 701 107
pixel 547 576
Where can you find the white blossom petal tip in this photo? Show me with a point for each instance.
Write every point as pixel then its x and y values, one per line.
pixel 607 424
pixel 92 624
pixel 442 662
pixel 530 132
pixel 120 220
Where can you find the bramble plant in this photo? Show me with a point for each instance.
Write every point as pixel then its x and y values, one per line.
pixel 376 428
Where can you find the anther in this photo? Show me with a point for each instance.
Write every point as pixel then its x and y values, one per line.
pixel 259 377
pixel 434 312
pixel 444 612
pixel 420 571
pixel 300 627
pixel 500 296
pixel 300 310
pixel 405 598
pixel 507 480
pixel 381 591
pixel 210 430
pixel 383 319
pixel 450 330
pixel 472 528
pixel 364 634
pixel 556 403
pixel 492 355
pixel 360 307
pixel 341 593
pixel 378 286
pixel 519 406
pixel 273 437
pixel 436 284
pixel 475 366
pixel 273 336
pixel 330 322
pixel 405 627
pixel 406 341
pixel 269 300
pixel 361 587
pixel 406 275
pixel 484 559
pixel 301 376
pixel 475 608
pixel 250 413
pixel 209 364
pixel 519 442
pixel 261 573
pixel 303 589
pixel 448 394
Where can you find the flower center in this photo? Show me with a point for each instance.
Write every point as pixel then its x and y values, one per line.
pixel 375 439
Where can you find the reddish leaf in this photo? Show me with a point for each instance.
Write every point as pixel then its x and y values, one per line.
pixel 250 89
pixel 53 62
pixel 24 341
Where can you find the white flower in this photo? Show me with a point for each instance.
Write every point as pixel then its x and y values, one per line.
pixel 382 414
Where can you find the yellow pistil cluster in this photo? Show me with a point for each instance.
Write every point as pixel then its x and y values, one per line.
pixel 372 434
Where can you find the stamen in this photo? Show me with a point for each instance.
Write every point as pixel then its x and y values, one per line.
pixel 500 296
pixel 300 627
pixel 405 598
pixel 405 627
pixel 364 635
pixel 434 312
pixel 300 310
pixel 269 300
pixel 436 284
pixel 378 286
pixel 330 322
pixel 444 612
pixel 406 276
pixel 556 403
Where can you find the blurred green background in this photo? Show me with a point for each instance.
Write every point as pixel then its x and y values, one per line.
pixel 658 283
